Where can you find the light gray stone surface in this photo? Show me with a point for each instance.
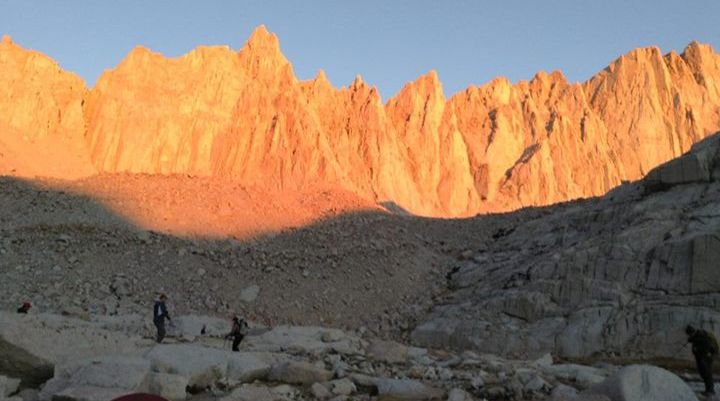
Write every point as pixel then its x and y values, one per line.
pixel 403 389
pixel 644 383
pixel 298 373
pixel 618 275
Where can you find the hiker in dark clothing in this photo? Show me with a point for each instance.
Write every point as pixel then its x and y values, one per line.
pixel 237 333
pixel 24 308
pixel 705 349
pixel 160 313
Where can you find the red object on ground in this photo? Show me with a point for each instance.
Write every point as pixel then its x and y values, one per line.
pixel 140 397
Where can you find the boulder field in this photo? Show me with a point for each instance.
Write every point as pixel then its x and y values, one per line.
pixel 71 360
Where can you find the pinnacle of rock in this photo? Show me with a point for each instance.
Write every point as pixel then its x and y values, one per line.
pixel 263 43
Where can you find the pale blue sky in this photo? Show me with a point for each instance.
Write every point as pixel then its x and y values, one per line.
pixel 388 42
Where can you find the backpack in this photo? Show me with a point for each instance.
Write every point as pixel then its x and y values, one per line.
pixel 713 342
pixel 243 327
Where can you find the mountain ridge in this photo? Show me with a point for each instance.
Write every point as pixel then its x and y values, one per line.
pixel 245 116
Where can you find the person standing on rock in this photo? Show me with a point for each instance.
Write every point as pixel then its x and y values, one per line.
pixel 160 313
pixel 237 333
pixel 24 308
pixel 705 349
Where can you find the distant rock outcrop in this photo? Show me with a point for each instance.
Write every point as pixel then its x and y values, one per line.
pixel 245 116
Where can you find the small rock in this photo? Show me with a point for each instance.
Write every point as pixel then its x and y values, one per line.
pixel 143 236
pixel 249 294
pixel 388 351
pixel 342 387
pixel 250 393
pixel 403 389
pixel 562 392
pixel 8 386
pixel 535 384
pixel 331 336
pixel 29 394
pixel 320 392
pixel 283 390
pixel 495 392
pixel 477 382
pixel 545 360
pixel 457 394
pixel 466 254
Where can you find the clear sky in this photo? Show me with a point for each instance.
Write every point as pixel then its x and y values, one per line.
pixel 388 42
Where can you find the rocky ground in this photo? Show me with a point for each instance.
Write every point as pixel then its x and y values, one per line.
pixel 615 277
pixel 67 246
pixel 104 357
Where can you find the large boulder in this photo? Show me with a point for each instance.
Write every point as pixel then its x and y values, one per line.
pixel 98 378
pixel 202 366
pixel 88 393
pixel 566 393
pixel 305 340
pixel 403 389
pixel 299 373
pixel 582 376
pixel 246 367
pixel 170 386
pixel 32 344
pixel 643 383
pixel 694 166
pixel 8 386
pixel 250 393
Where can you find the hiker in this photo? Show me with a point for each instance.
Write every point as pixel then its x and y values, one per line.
pixel 160 313
pixel 237 333
pixel 705 349
pixel 24 308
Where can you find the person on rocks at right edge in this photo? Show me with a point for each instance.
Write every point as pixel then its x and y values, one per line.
pixel 705 349
pixel 160 313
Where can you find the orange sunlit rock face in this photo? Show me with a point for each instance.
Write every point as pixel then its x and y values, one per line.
pixel 244 116
pixel 41 116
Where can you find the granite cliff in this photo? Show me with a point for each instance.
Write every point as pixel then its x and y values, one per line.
pixel 246 117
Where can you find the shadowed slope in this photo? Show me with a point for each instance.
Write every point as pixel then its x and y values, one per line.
pixel 65 250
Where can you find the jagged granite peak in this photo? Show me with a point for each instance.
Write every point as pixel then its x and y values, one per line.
pixel 322 79
pixel 261 55
pixel 261 38
pixel 245 116
pixel 41 116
